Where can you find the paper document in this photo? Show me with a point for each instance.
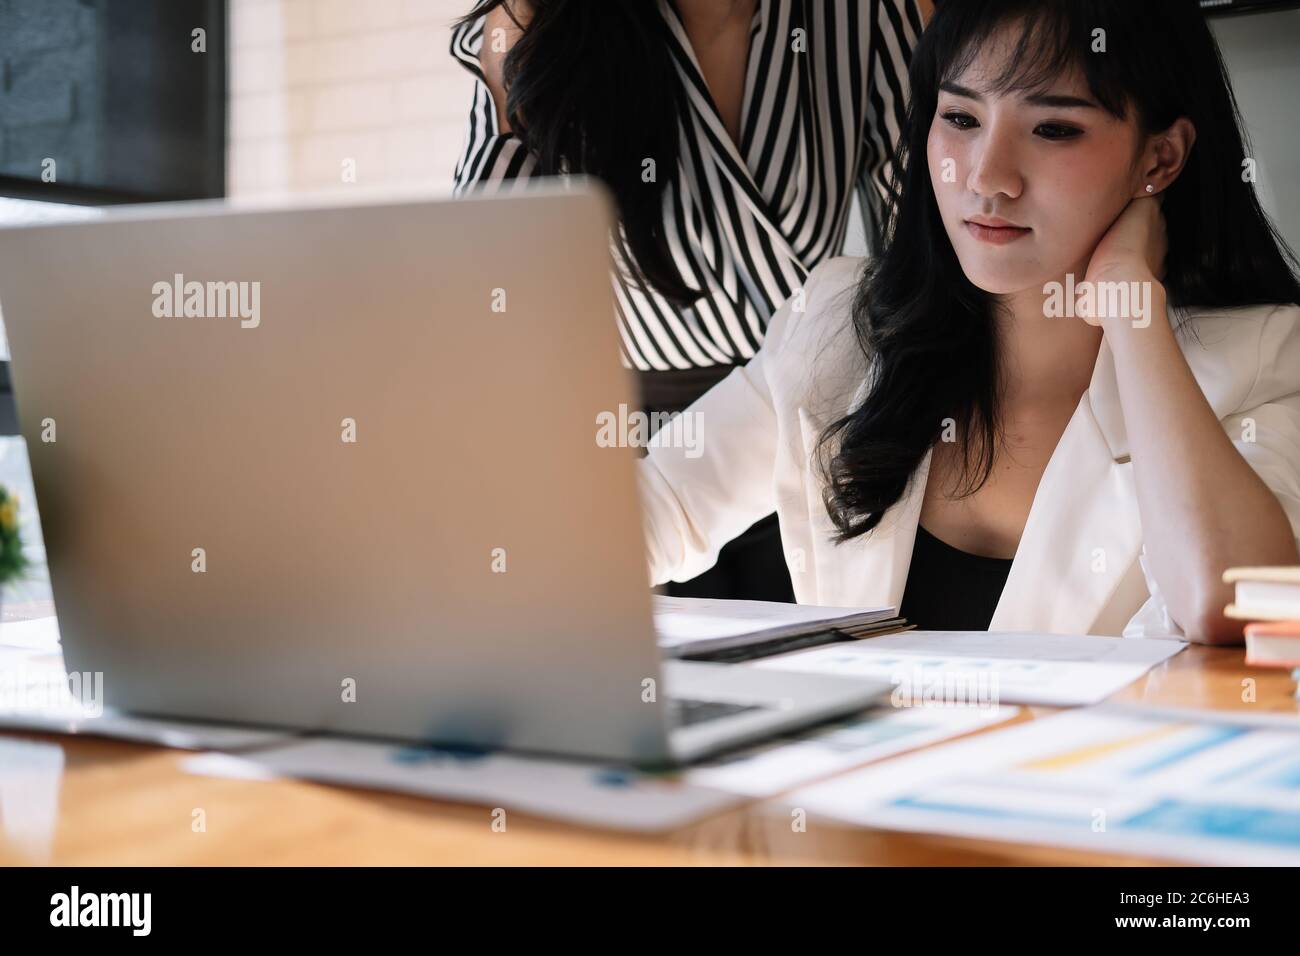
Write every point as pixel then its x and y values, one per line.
pixel 40 633
pixel 703 625
pixel 165 732
pixel 1011 667
pixel 1202 786
pixel 605 795
pixel 36 693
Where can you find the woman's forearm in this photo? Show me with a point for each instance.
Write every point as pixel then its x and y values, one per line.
pixel 1203 508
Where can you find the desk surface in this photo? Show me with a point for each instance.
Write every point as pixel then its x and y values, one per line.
pixel 128 804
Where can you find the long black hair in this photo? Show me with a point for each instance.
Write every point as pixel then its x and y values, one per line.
pixel 591 87
pixel 929 333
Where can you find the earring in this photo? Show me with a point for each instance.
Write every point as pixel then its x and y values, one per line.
pixel 1150 188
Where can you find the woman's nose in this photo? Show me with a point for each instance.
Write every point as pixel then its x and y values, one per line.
pixel 995 168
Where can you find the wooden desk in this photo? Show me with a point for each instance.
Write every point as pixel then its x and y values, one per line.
pixel 121 803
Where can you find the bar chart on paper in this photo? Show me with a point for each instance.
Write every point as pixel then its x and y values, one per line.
pixel 1200 786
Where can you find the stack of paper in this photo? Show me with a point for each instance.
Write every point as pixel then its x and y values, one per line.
pixel 720 630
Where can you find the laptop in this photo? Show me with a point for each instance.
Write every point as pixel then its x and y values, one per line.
pixel 335 467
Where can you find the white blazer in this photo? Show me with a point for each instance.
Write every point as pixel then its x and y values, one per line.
pixel 1080 566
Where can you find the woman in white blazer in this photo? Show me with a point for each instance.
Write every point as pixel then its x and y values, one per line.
pixel 1066 393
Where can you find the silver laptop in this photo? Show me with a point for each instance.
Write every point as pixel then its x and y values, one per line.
pixel 336 468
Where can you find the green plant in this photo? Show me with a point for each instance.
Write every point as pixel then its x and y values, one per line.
pixel 12 560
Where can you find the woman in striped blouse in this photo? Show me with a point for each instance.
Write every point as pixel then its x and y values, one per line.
pixel 733 134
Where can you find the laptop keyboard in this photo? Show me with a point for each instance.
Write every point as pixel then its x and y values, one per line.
pixel 684 711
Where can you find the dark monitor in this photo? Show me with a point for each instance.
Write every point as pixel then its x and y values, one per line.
pixel 105 101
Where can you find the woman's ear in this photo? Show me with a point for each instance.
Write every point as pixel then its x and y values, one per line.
pixel 1165 155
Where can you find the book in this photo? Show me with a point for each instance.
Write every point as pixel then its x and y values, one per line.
pixel 1264 593
pixel 709 629
pixel 1273 644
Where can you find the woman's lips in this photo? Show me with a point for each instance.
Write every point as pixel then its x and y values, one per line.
pixel 997 235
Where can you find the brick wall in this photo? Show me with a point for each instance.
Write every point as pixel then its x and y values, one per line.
pixel 314 83
pixel 50 59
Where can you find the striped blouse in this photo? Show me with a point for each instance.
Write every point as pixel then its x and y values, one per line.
pixel 824 99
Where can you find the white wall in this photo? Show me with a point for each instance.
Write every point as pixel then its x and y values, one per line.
pixel 1262 52
pixel 315 82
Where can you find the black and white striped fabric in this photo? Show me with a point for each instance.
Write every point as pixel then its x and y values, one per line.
pixel 824 99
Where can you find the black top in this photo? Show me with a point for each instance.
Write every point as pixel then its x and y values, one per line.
pixel 951 590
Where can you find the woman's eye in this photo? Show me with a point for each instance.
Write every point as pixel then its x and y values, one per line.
pixel 1057 131
pixel 960 120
